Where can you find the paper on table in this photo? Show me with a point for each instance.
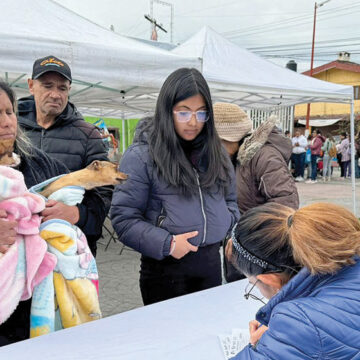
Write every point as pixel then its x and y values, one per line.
pixel 233 343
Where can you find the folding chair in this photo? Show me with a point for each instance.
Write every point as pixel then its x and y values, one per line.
pixel 112 234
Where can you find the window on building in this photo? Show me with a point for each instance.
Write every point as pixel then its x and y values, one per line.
pixel 357 92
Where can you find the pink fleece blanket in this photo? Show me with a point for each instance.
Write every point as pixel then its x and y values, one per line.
pixel 27 262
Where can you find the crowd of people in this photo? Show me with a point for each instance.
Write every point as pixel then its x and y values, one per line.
pixel 199 177
pixel 320 154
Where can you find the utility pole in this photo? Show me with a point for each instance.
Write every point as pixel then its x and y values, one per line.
pixel 171 15
pixel 312 63
pixel 154 26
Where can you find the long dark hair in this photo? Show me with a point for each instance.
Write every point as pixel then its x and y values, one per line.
pixel 165 145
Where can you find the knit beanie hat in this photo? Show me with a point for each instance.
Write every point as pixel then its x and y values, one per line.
pixel 231 122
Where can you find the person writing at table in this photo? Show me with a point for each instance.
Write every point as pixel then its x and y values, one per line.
pixel 307 263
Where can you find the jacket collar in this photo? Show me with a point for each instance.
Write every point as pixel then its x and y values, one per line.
pixel 256 141
pixel 27 114
pixel 301 285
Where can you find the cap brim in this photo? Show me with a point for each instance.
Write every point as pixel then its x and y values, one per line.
pixel 51 70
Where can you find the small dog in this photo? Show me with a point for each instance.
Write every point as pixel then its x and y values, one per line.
pixel 98 173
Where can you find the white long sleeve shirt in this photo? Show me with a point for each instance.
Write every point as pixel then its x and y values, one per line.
pixel 301 140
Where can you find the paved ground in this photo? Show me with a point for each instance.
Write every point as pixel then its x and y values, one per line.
pixel 119 274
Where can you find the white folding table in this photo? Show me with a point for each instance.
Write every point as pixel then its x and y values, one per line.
pixel 182 328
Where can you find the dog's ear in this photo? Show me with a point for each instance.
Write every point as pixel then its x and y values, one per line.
pixel 95 165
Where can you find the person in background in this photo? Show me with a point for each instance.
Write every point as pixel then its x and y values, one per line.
pixel 327 158
pixel 338 156
pixel 54 125
pixel 345 154
pixel 36 167
pixel 308 157
pixel 357 155
pixel 179 202
pixel 315 146
pixel 287 134
pixel 262 173
pixel 307 263
pixel 232 125
pixel 299 144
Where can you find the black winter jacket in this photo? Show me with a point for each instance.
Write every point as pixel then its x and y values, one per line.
pixel 76 143
pixel 35 169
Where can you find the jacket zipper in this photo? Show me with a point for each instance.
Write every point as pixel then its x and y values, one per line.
pixel 41 138
pixel 161 217
pixel 202 204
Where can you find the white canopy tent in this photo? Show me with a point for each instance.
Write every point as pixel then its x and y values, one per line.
pixel 113 75
pixel 239 76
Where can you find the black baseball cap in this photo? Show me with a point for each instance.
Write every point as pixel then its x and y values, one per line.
pixel 51 63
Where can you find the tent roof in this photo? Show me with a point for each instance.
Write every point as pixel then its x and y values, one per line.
pixel 111 72
pixel 237 75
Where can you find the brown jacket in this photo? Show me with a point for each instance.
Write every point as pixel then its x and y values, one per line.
pixel 262 173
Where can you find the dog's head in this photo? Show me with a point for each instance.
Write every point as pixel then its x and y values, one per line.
pixel 6 152
pixel 106 173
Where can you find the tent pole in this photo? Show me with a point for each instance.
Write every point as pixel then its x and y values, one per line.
pixel 352 135
pixel 123 133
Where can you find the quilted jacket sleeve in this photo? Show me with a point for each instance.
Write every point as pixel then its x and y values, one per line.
pixel 291 335
pixel 273 176
pixel 129 205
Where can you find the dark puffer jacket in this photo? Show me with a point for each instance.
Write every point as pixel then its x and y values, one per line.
pixel 262 173
pixel 146 211
pixel 312 317
pixel 35 169
pixel 76 143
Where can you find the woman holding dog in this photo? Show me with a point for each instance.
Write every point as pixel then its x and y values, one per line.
pixel 17 151
pixel 307 263
pixel 179 202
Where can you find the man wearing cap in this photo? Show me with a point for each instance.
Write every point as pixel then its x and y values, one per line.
pixel 54 125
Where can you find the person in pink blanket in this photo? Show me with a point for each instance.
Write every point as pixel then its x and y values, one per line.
pixel 36 166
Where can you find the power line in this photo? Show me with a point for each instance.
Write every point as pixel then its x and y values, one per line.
pixel 210 7
pixel 299 20
pixel 307 43
pixel 243 15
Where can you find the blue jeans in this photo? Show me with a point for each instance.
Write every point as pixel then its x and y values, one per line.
pixel 314 166
pixel 357 169
pixel 347 168
pixel 299 160
pixel 326 166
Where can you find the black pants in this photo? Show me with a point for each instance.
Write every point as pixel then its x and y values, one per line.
pixel 169 278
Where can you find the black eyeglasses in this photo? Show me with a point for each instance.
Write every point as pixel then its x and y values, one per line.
pixel 249 288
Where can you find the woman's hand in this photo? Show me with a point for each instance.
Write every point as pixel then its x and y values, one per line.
pixel 7 232
pixel 182 246
pixel 228 249
pixel 58 210
pixel 256 331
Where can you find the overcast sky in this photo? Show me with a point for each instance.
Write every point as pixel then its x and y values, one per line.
pixel 278 29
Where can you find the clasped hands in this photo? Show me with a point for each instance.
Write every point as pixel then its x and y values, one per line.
pixel 53 210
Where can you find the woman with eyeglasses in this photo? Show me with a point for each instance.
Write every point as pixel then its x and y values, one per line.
pixel 180 201
pixel 307 263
